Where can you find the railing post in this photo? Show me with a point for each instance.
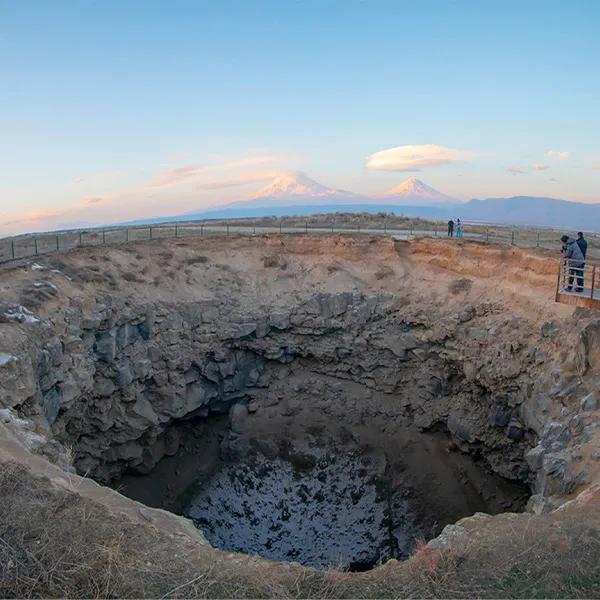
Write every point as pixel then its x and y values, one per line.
pixel 202 230
pixel 127 234
pixel 103 236
pixel 593 281
pixel 512 237
pixel 280 228
pixel 306 227
pixel 538 240
pixel 359 227
pixel 57 243
pixel 176 230
pixel 559 278
pixel 384 226
pixel 332 224
pixel 487 234
pixel 35 245
pixel 228 229
pixel 150 232
pixel 435 227
pixel 80 238
pixel 12 249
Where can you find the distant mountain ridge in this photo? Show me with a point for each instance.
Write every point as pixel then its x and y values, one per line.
pixel 533 210
pixel 297 194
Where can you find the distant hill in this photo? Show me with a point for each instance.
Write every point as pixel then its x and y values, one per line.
pixel 527 210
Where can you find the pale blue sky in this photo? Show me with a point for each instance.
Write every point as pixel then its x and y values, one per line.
pixel 101 98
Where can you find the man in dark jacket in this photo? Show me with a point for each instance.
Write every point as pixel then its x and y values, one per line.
pixel 450 228
pixel 582 243
pixel 575 261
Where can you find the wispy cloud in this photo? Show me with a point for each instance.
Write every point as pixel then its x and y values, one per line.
pixel 416 157
pixel 210 181
pixel 239 181
pixel 203 172
pixel 560 155
pixel 515 170
pixel 540 167
pixel 175 175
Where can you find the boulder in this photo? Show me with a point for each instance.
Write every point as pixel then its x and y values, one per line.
pixel 535 457
pixel 238 414
pixel 590 402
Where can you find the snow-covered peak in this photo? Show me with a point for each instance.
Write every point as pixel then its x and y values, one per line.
pixel 293 184
pixel 416 192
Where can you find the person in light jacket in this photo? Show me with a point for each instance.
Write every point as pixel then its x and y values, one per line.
pixel 459 229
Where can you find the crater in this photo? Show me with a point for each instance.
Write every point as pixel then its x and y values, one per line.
pixel 335 402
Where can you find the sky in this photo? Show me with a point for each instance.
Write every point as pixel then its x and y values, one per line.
pixel 122 109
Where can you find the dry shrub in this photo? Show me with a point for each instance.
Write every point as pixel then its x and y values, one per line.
pixel 383 272
pixel 460 285
pixel 270 261
pixel 131 277
pixel 274 261
pixel 425 559
pixel 196 260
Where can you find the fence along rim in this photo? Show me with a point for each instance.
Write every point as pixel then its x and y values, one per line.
pixel 180 229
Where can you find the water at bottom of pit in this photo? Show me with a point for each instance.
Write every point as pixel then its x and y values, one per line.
pixel 347 502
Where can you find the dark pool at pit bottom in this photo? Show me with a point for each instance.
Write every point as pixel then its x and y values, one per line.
pixel 336 508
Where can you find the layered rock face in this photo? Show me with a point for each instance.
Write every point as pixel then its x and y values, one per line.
pixel 106 370
pixel 112 387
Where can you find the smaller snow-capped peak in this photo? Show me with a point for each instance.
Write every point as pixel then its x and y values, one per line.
pixel 415 191
pixel 293 184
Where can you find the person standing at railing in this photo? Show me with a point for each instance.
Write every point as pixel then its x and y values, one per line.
pixel 574 259
pixel 450 228
pixel 459 229
pixel 582 243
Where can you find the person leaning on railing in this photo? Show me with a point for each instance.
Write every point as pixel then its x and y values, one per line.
pixel 575 260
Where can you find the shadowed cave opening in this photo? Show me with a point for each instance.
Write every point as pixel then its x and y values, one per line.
pixel 313 488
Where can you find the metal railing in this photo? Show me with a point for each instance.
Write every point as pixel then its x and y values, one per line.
pixel 578 283
pixel 30 246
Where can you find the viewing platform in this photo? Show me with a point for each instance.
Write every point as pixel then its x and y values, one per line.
pixel 577 285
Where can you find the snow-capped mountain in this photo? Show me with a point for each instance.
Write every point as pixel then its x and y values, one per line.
pixel 413 192
pixel 296 188
pixel 293 184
